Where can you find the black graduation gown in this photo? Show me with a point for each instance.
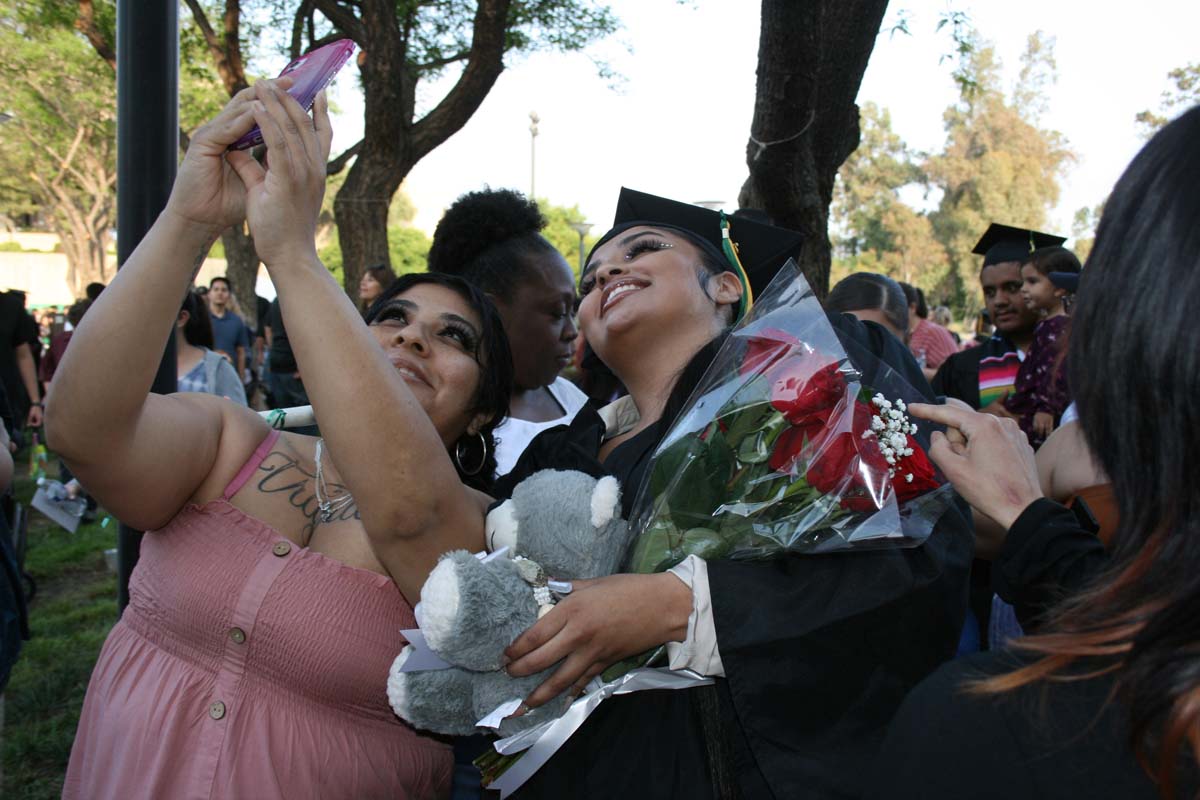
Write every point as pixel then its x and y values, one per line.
pixel 818 651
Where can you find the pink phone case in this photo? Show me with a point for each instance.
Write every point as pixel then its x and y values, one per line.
pixel 311 72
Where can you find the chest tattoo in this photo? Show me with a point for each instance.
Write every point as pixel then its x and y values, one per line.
pixel 282 473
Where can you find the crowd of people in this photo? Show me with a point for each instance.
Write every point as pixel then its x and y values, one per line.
pixel 1040 643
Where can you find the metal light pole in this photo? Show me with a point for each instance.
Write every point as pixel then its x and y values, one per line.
pixel 582 229
pixel 147 155
pixel 533 132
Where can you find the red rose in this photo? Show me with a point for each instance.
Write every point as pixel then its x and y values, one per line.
pixel 764 349
pixel 847 463
pixel 804 388
pixel 790 444
pixel 919 466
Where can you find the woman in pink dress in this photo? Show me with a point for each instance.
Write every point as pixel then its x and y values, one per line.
pixel 267 606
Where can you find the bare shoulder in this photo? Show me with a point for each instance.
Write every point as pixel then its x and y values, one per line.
pixel 1066 464
pixel 242 430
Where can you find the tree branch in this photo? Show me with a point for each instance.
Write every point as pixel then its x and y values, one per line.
pixel 342 19
pixel 483 68
pixel 85 23
pixel 338 164
pixel 298 28
pixel 226 49
pixel 206 28
pixel 443 62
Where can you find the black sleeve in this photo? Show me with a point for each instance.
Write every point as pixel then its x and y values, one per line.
pixel 820 650
pixel 944 744
pixel 1045 557
pixel 941 379
pixel 958 377
pixel 871 347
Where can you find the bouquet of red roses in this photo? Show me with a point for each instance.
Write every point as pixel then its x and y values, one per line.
pixel 785 448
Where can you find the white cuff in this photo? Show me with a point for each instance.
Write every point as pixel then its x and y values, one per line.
pixel 698 651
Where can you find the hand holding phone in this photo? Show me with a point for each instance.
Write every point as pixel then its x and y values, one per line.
pixel 310 73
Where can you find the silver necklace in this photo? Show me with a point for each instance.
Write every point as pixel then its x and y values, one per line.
pixel 328 507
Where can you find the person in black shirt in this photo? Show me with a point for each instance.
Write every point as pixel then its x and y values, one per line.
pixel 1102 701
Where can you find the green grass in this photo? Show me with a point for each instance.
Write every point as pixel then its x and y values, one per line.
pixel 75 606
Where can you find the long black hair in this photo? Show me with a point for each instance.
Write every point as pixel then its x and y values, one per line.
pixel 197 331
pixel 494 357
pixel 490 239
pixel 1135 371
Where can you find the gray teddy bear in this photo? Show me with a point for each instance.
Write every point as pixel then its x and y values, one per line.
pixel 557 525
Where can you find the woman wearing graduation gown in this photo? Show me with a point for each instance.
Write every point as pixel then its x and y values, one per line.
pixel 812 654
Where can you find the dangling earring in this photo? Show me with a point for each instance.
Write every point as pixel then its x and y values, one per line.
pixel 458 456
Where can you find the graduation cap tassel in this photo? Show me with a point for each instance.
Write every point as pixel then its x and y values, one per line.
pixel 731 252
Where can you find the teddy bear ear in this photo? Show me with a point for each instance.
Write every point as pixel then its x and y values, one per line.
pixel 606 501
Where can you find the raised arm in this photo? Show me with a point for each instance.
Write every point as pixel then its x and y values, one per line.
pixel 144 456
pixel 382 442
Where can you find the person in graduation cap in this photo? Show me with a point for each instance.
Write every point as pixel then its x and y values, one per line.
pixel 811 654
pixel 984 375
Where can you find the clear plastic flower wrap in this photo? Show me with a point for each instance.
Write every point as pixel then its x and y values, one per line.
pixel 788 444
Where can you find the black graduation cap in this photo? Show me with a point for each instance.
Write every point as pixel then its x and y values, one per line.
pixel 1003 243
pixel 760 248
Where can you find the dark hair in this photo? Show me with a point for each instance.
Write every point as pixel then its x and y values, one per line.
pixel 915 297
pixel 494 358
pixel 1142 421
pixel 383 275
pixel 1054 259
pixel 221 279
pixel 93 290
pixel 75 313
pixel 197 331
pixel 866 290
pixel 488 238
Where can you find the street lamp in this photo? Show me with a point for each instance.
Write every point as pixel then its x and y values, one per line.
pixel 582 229
pixel 533 132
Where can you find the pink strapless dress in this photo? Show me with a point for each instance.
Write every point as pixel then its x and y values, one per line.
pixel 246 666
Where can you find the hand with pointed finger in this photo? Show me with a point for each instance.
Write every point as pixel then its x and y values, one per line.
pixel 207 191
pixel 601 622
pixel 283 195
pixel 988 460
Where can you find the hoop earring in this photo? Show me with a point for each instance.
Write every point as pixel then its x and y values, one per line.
pixel 458 456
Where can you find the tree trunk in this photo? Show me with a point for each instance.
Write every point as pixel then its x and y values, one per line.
pixel 241 267
pixel 811 59
pixel 84 249
pixel 392 141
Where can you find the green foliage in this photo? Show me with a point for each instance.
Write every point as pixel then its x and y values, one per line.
pixel 1083 230
pixel 1183 95
pixel 998 164
pixel 408 248
pixel 880 232
pixel 559 232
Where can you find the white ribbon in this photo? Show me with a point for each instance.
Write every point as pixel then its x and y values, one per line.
pixel 544 740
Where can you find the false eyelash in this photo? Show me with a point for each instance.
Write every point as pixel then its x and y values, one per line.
pixel 644 245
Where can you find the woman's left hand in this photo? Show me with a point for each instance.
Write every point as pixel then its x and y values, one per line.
pixel 601 622
pixel 283 197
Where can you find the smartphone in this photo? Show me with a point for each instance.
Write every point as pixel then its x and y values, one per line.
pixel 310 73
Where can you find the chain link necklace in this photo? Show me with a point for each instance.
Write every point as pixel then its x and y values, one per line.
pixel 328 507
